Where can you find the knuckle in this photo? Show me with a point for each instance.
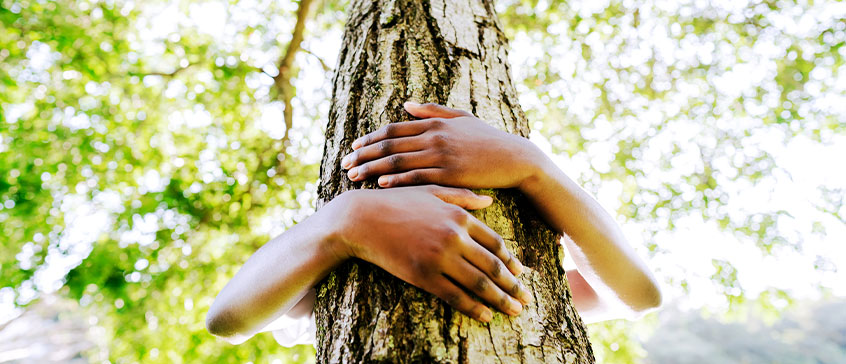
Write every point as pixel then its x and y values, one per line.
pixel 437 123
pixel 496 268
pixel 385 146
pixel 452 236
pixel 460 216
pixel 395 161
pixel 480 284
pixel 500 247
pixel 503 301
pixel 451 297
pixel 416 178
pixel 515 289
pixel 389 130
pixel 439 140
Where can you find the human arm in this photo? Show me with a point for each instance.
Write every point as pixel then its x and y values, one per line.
pixel 277 276
pixel 452 249
pixel 451 147
pixel 622 282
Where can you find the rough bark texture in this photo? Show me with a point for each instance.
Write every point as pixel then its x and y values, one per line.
pixel 451 52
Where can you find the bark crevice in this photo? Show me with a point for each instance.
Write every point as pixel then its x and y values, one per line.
pixel 398 50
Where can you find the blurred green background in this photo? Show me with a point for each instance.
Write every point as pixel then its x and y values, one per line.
pixel 144 156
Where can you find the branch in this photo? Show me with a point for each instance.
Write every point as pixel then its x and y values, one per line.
pixel 323 64
pixel 283 79
pixel 282 82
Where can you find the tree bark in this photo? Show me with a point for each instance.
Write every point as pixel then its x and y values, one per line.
pixel 450 52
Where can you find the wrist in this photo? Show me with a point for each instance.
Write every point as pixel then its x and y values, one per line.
pixel 337 240
pixel 539 169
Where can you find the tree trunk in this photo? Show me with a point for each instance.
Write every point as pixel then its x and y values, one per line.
pixel 450 52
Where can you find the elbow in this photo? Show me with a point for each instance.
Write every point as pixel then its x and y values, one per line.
pixel 653 301
pixel 214 324
pixel 650 299
pixel 655 297
pixel 224 325
pixel 219 324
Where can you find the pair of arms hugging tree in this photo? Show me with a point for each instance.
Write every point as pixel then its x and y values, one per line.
pixel 417 228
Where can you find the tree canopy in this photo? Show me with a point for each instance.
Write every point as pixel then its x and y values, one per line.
pixel 147 148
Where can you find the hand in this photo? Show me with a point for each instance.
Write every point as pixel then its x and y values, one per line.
pixel 424 236
pixel 448 147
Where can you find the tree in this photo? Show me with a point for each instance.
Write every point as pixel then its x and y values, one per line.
pixel 137 186
pixel 451 53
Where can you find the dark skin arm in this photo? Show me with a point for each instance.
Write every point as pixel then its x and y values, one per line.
pixel 425 237
pixel 453 148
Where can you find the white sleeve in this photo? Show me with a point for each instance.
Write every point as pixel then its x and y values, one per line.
pixel 297 326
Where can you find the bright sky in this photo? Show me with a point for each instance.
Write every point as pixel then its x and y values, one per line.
pixel 687 252
pixel 803 166
pixel 689 249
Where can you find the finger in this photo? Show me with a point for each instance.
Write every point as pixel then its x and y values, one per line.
pixel 495 268
pixel 412 178
pixel 392 130
pixel 495 244
pixel 476 281
pixel 392 164
pixel 430 110
pixel 381 149
pixel 461 197
pixel 454 296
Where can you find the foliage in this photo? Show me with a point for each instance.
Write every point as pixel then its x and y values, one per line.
pixel 684 114
pixel 133 166
pixel 142 159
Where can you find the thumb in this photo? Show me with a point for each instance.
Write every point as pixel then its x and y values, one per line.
pixel 461 197
pixel 425 111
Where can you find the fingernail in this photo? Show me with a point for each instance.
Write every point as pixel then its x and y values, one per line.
pixel 515 307
pixel 486 315
pixel 525 295
pixel 353 173
pixel 410 103
pixel 384 181
pixel 356 144
pixel 519 266
pixel 345 163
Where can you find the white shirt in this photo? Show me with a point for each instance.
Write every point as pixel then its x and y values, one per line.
pixel 296 327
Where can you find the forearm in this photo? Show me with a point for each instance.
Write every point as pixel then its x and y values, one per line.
pixel 598 246
pixel 276 277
